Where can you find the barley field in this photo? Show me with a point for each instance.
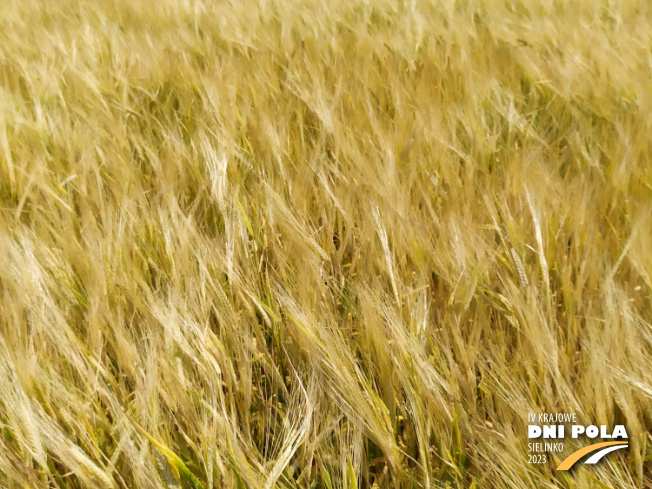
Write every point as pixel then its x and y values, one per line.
pixel 322 244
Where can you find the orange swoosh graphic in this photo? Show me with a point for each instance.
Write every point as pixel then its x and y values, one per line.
pixel 575 456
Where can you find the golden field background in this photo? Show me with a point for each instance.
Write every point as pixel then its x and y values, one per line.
pixel 306 244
